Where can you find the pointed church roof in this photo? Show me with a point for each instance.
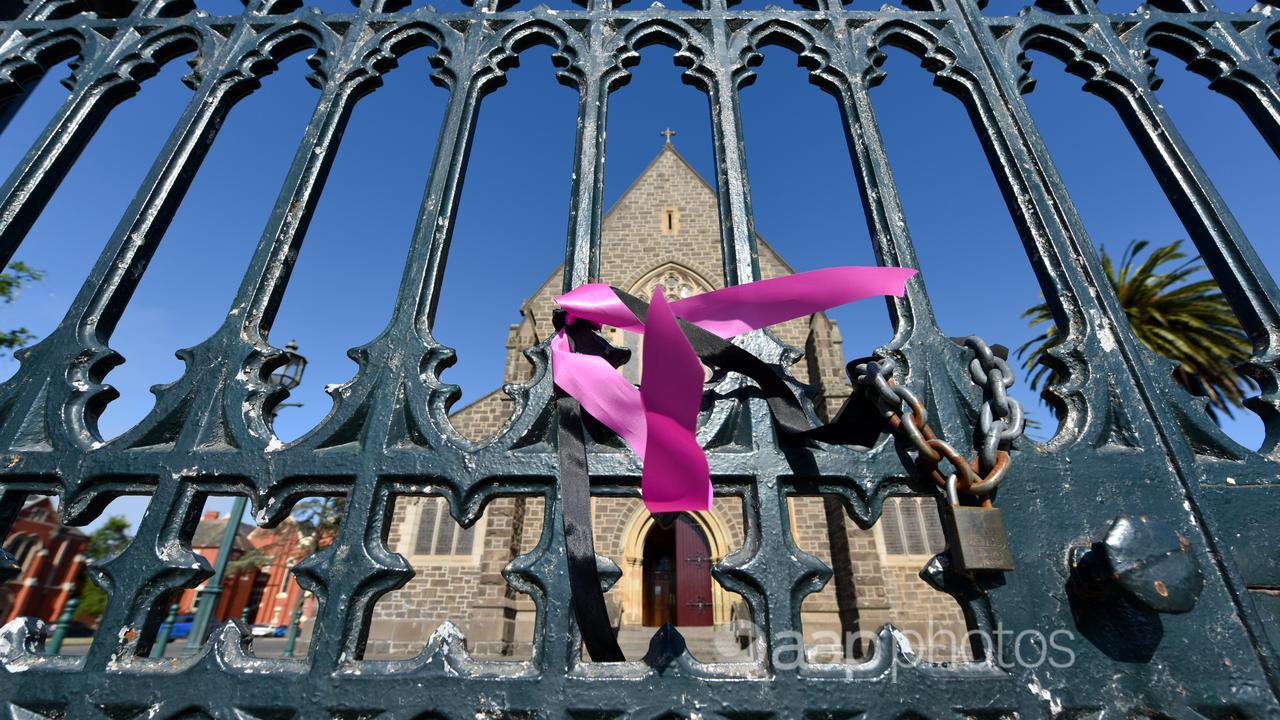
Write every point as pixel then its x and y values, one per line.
pixel 667 147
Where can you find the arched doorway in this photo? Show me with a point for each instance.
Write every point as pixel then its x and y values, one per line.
pixel 677 575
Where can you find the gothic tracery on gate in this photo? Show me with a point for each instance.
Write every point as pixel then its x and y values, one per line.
pixel 389 430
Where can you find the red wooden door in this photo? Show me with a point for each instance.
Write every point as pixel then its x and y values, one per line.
pixel 693 575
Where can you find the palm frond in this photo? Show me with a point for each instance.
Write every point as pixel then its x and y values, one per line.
pixel 1175 313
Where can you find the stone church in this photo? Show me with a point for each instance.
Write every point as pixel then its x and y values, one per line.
pixel 664 232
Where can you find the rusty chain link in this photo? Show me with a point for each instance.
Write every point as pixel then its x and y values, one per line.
pixel 1000 421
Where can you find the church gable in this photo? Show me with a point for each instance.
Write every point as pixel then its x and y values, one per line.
pixel 667 219
pixel 669 215
pixel 639 236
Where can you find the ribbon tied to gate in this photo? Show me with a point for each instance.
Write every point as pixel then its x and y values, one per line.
pixel 658 419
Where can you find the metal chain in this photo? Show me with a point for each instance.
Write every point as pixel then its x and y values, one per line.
pixel 1000 421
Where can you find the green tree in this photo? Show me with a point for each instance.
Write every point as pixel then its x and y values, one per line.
pixel 319 518
pixel 110 538
pixel 251 560
pixel 1185 319
pixel 11 281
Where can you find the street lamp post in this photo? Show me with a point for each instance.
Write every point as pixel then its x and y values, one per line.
pixel 287 376
pixel 208 595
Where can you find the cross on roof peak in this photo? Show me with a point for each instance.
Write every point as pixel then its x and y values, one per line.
pixel 667 134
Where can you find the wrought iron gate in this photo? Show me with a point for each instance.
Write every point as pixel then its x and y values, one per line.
pixel 1132 443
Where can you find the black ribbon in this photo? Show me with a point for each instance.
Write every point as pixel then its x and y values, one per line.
pixel 855 424
pixel 575 500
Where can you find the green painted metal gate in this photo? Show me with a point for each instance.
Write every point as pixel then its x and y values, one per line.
pixel 1132 443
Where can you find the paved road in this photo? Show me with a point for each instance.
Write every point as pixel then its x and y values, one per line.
pixel 262 647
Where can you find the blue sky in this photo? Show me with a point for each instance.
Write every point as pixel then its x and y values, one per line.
pixel 513 213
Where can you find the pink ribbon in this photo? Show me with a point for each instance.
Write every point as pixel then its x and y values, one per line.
pixel 658 420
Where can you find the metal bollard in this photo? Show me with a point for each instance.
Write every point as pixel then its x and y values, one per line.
pixel 62 625
pixel 292 638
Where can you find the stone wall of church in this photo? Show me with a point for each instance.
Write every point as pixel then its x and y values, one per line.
pixel 468 591
pixel 868 589
pixel 932 621
pixel 824 361
pixel 485 417
pixel 530 532
pixel 821 613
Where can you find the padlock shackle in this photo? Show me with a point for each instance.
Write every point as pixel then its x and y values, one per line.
pixel 953 492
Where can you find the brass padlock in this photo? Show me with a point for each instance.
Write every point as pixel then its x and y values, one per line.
pixel 975 535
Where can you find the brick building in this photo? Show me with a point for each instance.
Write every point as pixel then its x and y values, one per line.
pixel 263 582
pixel 663 231
pixel 275 594
pixel 51 558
